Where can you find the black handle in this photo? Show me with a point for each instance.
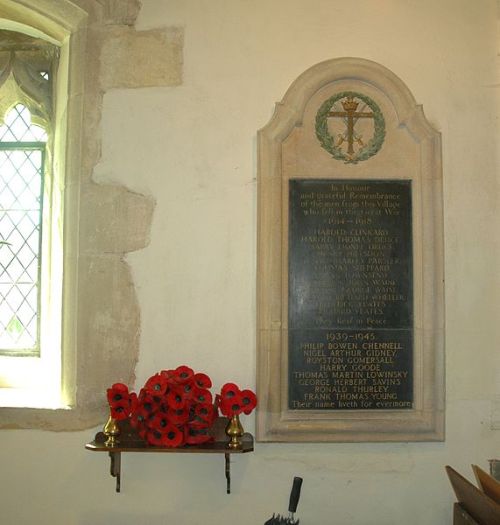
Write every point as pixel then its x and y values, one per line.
pixel 295 494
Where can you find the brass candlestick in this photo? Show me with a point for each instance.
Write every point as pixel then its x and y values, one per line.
pixel 234 430
pixel 111 431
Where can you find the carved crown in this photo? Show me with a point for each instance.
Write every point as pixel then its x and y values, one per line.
pixel 349 104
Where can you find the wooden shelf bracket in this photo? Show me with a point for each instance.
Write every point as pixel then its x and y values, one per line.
pixel 128 441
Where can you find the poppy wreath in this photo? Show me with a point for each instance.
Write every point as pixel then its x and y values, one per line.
pixel 232 401
pixel 173 408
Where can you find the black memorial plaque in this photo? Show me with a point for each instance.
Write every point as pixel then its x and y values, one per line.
pixel 350 304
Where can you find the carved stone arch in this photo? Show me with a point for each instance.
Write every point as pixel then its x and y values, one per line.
pixel 289 149
pixel 13 95
pixel 36 89
pixel 22 61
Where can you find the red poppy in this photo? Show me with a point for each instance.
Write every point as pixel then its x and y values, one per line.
pixel 133 401
pixel 154 437
pixel 229 390
pixel 178 416
pixel 231 406
pixel 167 374
pixel 202 395
pixel 120 409
pixel 173 407
pixel 187 389
pixel 142 393
pixel 158 421
pixel 205 412
pixel 218 400
pixel 175 399
pixel 172 436
pixel 156 385
pixel 196 436
pixel 137 419
pixel 248 400
pixel 163 405
pixel 202 380
pixel 147 404
pixel 117 392
pixel 182 374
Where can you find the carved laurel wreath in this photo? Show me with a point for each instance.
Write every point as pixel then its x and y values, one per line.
pixel 328 142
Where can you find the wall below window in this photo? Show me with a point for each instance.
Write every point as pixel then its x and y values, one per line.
pixel 191 146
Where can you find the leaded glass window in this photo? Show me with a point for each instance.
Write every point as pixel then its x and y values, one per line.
pixel 32 183
pixel 22 156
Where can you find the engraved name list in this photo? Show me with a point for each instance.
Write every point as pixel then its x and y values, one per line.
pixel 350 304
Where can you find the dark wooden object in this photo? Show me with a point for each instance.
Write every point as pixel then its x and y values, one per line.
pixel 480 507
pixel 489 485
pixel 461 516
pixel 129 441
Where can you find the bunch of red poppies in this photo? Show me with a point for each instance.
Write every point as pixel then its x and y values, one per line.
pixel 175 407
pixel 232 401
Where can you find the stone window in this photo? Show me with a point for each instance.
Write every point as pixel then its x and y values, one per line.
pixel 98 319
pixel 31 225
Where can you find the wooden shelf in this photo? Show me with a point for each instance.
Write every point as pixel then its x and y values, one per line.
pixel 129 441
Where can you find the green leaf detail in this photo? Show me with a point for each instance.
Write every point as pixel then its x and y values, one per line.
pixel 328 142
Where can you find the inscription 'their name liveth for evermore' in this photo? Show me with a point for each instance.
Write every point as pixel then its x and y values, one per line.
pixel 350 298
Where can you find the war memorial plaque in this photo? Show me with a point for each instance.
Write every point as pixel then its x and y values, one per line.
pixel 350 314
pixel 350 270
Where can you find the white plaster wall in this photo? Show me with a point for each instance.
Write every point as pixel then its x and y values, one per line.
pixel 193 148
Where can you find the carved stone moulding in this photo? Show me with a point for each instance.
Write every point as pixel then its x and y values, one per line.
pixel 349 119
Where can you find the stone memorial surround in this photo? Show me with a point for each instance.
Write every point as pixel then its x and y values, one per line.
pixel 288 148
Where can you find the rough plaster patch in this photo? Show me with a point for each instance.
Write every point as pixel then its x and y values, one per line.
pixel 116 220
pixel 109 328
pixel 135 59
pixel 122 12
pixel 56 420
